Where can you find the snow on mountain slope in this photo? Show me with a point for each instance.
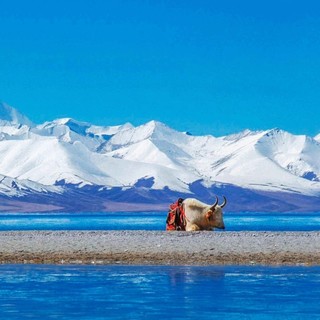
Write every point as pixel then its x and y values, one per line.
pixel 10 114
pixel 49 161
pixel 258 160
pixel 66 151
pixel 10 131
pixel 109 131
pixel 69 130
pixel 245 159
pixel 297 154
pixel 13 187
pixel 150 143
pixel 151 130
pixel 143 151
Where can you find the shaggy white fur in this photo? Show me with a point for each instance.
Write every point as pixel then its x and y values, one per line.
pixel 200 216
pixel 191 202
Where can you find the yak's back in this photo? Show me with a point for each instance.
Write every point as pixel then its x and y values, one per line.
pixel 193 203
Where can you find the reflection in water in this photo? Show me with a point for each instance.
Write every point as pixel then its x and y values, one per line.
pixel 189 275
pixel 153 292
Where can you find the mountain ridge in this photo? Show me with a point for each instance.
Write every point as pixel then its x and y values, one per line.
pixel 152 164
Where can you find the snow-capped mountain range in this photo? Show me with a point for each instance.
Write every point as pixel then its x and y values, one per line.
pixel 70 165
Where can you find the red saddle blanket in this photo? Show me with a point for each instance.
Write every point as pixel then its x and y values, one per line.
pixel 176 217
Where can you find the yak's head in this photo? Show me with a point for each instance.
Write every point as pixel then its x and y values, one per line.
pixel 215 214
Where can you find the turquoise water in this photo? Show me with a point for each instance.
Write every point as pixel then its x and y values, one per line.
pixel 158 292
pixel 155 221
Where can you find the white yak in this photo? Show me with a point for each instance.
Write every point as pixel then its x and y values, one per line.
pixel 202 216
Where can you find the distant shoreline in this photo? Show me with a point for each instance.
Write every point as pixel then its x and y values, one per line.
pixel 23 205
pixel 160 248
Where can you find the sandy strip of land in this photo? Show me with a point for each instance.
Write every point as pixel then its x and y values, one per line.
pixel 161 248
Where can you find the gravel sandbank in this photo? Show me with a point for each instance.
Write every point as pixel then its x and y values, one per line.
pixel 161 248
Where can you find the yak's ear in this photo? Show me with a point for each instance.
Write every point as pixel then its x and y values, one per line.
pixel 209 214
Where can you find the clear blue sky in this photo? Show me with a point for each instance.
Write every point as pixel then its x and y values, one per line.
pixel 208 67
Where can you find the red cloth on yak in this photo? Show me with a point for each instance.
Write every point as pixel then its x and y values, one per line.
pixel 176 217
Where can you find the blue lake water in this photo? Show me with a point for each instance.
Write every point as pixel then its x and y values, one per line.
pixel 155 221
pixel 158 292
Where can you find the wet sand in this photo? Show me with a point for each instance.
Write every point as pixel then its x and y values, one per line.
pixel 160 248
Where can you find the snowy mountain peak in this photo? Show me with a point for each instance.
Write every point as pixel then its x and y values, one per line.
pixel 152 127
pixel 159 131
pixel 240 135
pixel 11 115
pixel 152 130
pixel 108 131
pixel 275 132
pixel 81 128
pixel 66 155
pixel 281 137
pixel 70 121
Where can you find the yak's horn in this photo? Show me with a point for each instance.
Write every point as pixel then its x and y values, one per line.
pixel 214 205
pixel 224 202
